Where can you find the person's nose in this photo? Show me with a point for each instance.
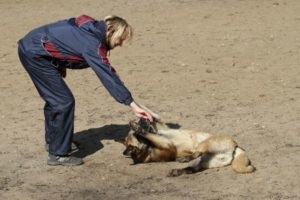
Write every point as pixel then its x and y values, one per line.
pixel 119 43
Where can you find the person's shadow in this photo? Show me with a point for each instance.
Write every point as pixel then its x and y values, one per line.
pixel 89 141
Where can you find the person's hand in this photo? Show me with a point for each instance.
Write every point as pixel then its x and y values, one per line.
pixel 139 112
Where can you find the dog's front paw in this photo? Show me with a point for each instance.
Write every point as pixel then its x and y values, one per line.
pixel 134 125
pixel 196 154
pixel 184 159
pixel 175 172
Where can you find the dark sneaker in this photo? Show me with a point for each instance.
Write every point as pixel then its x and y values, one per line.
pixel 63 160
pixel 74 147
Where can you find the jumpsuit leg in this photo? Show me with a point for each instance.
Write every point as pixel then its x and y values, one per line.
pixel 59 102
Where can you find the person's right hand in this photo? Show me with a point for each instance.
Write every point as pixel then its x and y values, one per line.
pixel 139 112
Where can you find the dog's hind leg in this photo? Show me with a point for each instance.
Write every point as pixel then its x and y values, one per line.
pixel 178 172
pixel 193 167
pixel 184 159
pixel 201 149
pixel 241 162
pixel 215 144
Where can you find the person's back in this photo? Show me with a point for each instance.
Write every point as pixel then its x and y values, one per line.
pixel 67 40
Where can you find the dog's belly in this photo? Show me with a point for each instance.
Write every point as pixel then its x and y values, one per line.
pixel 189 144
pixel 186 141
pixel 200 136
pixel 182 139
pixel 211 161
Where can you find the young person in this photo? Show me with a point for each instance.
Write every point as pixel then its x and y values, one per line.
pixel 76 43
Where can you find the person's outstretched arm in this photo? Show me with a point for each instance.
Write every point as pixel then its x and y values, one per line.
pixel 139 112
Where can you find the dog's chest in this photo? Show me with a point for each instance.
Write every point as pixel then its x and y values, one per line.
pixel 200 136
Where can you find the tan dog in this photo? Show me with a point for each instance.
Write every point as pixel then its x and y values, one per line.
pixel 156 142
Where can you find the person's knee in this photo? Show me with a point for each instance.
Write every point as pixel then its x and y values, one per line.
pixel 66 104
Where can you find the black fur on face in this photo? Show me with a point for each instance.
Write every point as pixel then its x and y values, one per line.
pixel 129 150
pixel 140 154
pixel 140 150
pixel 147 126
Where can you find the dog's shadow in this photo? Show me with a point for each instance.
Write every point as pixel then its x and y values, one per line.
pixel 89 141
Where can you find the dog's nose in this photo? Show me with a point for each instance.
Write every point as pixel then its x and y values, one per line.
pixel 127 151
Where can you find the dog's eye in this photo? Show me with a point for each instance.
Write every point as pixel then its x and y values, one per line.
pixel 130 147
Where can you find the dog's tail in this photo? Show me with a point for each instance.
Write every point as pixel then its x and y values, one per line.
pixel 241 162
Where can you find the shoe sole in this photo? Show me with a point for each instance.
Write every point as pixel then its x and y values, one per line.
pixel 63 164
pixel 74 148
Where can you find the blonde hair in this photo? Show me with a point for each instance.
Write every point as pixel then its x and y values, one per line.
pixel 117 27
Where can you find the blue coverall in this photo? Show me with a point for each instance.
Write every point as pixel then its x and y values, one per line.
pixel 74 43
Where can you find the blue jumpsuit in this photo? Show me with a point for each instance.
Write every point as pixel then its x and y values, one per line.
pixel 75 43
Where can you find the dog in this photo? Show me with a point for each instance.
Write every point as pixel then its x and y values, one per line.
pixel 157 142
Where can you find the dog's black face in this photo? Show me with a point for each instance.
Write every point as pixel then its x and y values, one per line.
pixel 130 150
pixel 138 155
pixel 134 144
pixel 138 147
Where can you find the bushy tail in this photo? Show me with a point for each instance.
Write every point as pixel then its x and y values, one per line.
pixel 241 162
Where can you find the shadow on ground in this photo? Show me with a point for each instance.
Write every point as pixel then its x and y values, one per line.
pixel 89 141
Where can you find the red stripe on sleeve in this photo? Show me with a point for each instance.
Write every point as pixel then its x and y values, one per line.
pixel 74 58
pixel 103 55
pixel 82 20
pixel 53 51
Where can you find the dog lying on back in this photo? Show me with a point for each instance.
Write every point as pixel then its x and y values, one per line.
pixel 156 142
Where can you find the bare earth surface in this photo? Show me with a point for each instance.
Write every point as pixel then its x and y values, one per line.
pixel 219 66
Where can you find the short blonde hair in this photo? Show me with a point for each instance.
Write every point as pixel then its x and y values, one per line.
pixel 117 27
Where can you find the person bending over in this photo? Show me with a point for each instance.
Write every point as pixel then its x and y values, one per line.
pixel 76 43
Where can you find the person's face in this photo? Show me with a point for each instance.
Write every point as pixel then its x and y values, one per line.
pixel 118 41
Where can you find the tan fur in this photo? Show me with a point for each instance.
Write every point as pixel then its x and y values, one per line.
pixel 201 150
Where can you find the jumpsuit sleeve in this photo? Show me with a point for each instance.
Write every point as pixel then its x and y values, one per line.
pixel 98 61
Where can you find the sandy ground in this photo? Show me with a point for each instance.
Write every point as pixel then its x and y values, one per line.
pixel 220 66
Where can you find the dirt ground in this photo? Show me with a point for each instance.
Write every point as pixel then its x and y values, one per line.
pixel 220 66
